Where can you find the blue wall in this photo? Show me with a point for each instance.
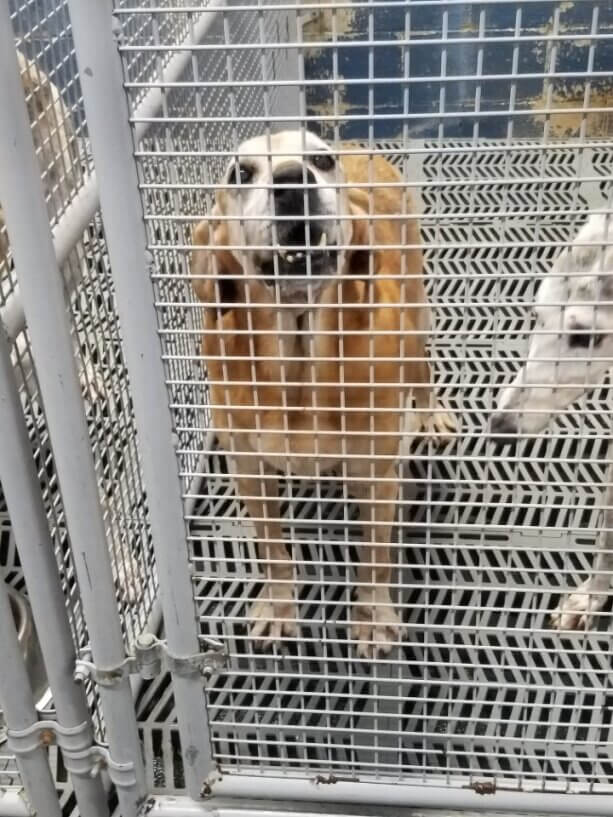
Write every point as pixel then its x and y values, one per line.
pixel 390 24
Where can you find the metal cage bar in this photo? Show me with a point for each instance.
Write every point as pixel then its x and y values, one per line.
pixel 461 98
pixel 79 213
pixel 22 492
pixel 107 115
pixel 45 311
pixel 341 796
pixel 20 714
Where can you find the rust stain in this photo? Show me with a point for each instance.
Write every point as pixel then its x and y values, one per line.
pixel 327 108
pixel 484 787
pixel 320 26
pixel 565 123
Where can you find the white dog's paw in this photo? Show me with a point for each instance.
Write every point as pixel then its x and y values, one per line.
pixel 273 615
pixel 376 626
pixel 92 383
pixel 127 573
pixel 441 425
pixel 575 610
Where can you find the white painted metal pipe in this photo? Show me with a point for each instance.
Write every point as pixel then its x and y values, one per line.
pixel 42 290
pixel 20 713
pixel 95 35
pixel 290 793
pixel 21 488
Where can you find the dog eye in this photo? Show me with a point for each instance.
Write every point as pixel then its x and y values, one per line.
pixel 240 175
pixel 323 161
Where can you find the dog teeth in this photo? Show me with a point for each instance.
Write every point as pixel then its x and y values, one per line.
pixel 290 258
pixel 299 255
pixel 322 240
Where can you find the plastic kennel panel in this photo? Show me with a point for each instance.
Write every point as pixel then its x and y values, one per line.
pixel 497 117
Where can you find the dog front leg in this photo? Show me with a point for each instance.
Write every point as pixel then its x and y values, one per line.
pixel 274 612
pixel 438 423
pixel 576 609
pixel 375 625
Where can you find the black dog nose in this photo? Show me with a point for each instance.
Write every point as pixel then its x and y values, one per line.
pixel 582 336
pixel 503 424
pixel 289 199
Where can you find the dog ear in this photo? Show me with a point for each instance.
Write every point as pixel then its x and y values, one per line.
pixel 358 256
pixel 216 272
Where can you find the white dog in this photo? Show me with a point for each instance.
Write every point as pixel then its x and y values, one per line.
pixel 571 349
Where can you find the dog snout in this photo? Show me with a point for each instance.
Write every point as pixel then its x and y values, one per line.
pixel 292 198
pixel 290 195
pixel 582 337
pixel 502 427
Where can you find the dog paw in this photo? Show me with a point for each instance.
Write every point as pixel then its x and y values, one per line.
pixel 273 615
pixel 575 610
pixel 441 425
pixel 92 383
pixel 376 626
pixel 127 573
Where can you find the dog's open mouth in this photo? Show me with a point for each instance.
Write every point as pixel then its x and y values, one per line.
pixel 290 264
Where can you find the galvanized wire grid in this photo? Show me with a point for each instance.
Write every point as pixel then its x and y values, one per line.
pixel 45 29
pixel 9 775
pixel 175 186
pixel 44 38
pixel 502 126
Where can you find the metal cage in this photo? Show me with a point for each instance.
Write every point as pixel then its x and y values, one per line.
pixel 124 525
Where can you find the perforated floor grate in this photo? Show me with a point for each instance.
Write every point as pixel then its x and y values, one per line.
pixel 486 542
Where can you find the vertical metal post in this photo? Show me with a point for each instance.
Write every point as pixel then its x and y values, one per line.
pixel 95 31
pixel 48 323
pixel 20 714
pixel 22 492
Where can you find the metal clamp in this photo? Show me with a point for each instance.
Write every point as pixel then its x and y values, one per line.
pixel 150 658
pixel 81 756
pixel 97 757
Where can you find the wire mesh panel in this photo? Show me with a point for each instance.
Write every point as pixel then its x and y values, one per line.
pixel 51 85
pixel 45 48
pixel 494 119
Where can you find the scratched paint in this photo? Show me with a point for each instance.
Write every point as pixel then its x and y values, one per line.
pixel 409 52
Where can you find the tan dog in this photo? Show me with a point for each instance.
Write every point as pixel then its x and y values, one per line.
pixel 315 348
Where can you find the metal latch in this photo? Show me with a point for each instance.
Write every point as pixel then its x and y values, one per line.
pixel 151 657
pixel 81 756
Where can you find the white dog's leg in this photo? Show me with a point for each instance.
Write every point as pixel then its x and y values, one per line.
pixel 575 610
pixel 441 425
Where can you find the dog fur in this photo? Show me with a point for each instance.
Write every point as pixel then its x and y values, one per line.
pixel 570 351
pixel 54 139
pixel 312 387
